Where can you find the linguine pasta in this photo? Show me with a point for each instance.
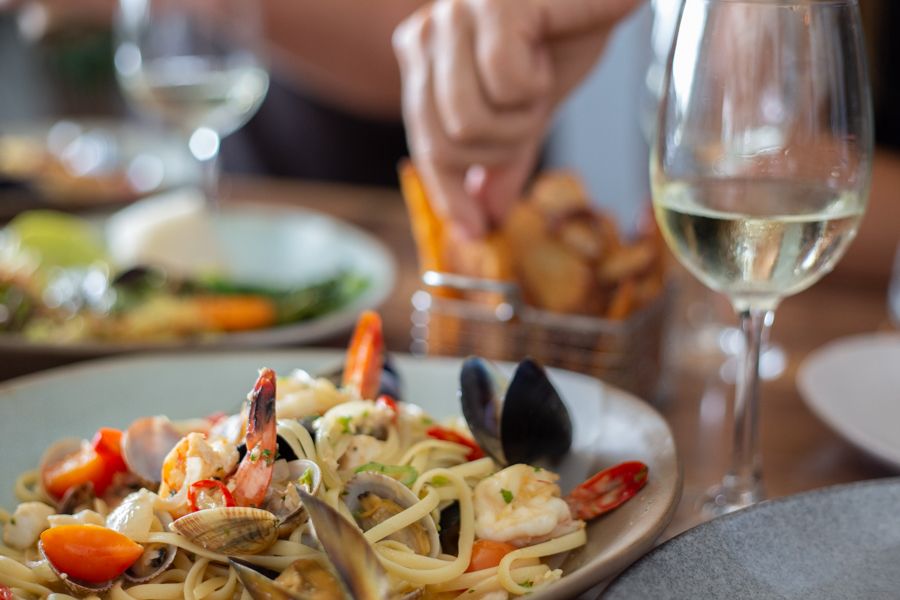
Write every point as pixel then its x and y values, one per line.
pixel 345 437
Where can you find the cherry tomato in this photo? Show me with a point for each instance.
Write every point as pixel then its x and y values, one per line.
pixel 203 494
pixel 448 435
pixel 89 552
pixel 95 463
pixel 487 554
pixel 5 593
pixel 108 443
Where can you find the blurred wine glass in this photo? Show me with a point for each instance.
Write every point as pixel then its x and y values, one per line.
pixel 195 64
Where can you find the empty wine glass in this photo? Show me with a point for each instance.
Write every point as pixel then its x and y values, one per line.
pixel 195 64
pixel 760 169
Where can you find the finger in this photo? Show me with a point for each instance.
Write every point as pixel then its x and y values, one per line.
pixel 442 169
pixel 567 17
pixel 464 110
pixel 512 64
pixel 498 189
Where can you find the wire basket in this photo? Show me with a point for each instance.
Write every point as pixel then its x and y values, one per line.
pixel 455 315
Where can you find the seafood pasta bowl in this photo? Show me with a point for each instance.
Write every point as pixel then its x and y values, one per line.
pixel 608 427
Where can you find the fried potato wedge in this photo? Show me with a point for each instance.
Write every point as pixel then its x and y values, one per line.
pixel 427 228
pixel 554 277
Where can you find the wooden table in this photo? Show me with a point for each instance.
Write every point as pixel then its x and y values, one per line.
pixel 799 452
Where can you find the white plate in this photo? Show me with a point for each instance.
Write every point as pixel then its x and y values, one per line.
pixel 853 385
pixel 610 426
pixel 124 160
pixel 277 246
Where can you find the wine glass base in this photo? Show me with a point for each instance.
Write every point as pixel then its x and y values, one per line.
pixel 726 498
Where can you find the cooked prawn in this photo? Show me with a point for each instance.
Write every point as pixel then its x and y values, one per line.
pixel 255 471
pixel 521 505
pixel 192 459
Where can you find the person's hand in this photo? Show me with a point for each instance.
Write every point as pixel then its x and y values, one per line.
pixel 481 79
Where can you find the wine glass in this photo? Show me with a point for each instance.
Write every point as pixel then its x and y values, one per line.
pixel 195 64
pixel 760 170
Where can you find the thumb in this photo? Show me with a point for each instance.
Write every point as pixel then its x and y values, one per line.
pixel 570 17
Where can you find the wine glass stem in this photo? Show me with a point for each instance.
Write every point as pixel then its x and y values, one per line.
pixel 745 476
pixel 210 175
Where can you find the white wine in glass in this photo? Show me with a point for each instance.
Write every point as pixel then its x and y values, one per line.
pixel 760 170
pixel 195 64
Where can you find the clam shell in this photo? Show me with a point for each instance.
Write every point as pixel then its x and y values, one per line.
pixel 389 488
pixel 76 586
pixel 304 579
pixel 155 559
pixel 145 445
pixel 231 531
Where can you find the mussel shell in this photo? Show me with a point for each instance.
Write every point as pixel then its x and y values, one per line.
pixel 389 488
pixel 76 586
pixel 481 389
pixel 284 450
pixel 450 523
pixel 535 423
pixel 354 559
pixel 231 530
pixel 520 422
pixel 259 585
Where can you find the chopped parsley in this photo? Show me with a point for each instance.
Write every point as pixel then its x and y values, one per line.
pixel 345 423
pixel 427 421
pixel 439 481
pixel 307 479
pixel 405 474
pixel 12 520
pixel 537 469
pixel 527 584
pixel 507 496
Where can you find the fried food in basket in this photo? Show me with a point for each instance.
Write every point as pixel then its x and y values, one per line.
pixel 565 254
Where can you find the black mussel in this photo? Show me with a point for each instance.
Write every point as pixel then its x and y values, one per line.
pixel 449 529
pixel 521 421
pixel 284 450
pixel 353 558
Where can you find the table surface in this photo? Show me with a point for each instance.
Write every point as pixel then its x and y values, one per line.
pixel 799 451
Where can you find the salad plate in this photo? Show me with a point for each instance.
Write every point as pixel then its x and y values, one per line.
pixel 835 543
pixel 853 385
pixel 264 246
pixel 610 426
pixel 94 162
